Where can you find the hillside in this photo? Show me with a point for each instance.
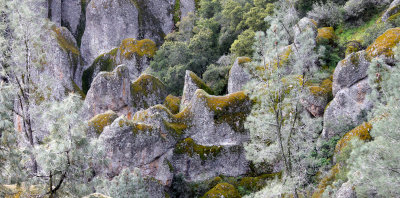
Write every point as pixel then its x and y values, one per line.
pixel 199 98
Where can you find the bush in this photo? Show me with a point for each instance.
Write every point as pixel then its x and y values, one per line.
pixel 363 9
pixel 243 46
pixel 328 14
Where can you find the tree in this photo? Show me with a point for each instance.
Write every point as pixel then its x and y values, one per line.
pixel 126 185
pixel 374 166
pixel 280 130
pixel 67 157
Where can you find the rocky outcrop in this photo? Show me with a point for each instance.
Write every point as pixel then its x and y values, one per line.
pixel 109 91
pixel 238 77
pixel 317 98
pixel 187 6
pixel 392 11
pixel 108 22
pixel 98 122
pixel 383 46
pixel 350 71
pixel 346 191
pixel 192 83
pixel 72 16
pixel 347 110
pixel 135 54
pixel 147 91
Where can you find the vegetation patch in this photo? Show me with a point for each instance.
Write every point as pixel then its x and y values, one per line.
pixel 223 190
pixel 199 82
pixel 326 35
pixel 172 103
pixel 361 132
pixel 145 47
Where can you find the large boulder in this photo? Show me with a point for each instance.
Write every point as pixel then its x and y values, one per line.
pixel 192 83
pixel 223 190
pixel 347 110
pixel 317 98
pixel 383 45
pixel 199 162
pixel 238 77
pixel 109 91
pixel 135 54
pixel 108 22
pixel 350 71
pixel 392 11
pixel 72 16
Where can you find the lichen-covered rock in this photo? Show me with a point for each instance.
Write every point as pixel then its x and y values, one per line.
pixel 219 120
pixel 350 71
pixel 347 110
pixel 223 190
pixel 109 91
pixel 317 98
pixel 238 77
pixel 346 191
pixel 135 54
pixel 361 132
pixel 187 6
pixel 352 46
pixel 199 162
pixel 108 22
pixel 326 35
pixel 131 144
pixel 384 44
pixel 392 11
pixel 147 91
pixel 98 122
pixel 192 83
pixel 172 103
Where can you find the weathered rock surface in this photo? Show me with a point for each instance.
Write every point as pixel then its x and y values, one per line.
pixel 109 91
pixel 192 83
pixel 350 71
pixel 98 122
pixel 347 110
pixel 346 191
pixel 317 98
pixel 383 46
pixel 71 13
pixel 238 77
pixel 135 54
pixel 147 91
pixel 108 22
pixel 187 6
pixel 392 11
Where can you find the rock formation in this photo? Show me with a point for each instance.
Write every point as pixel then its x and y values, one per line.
pixel 238 77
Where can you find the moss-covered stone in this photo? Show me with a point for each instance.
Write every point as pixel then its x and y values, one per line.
pixel 352 46
pixel 326 181
pixel 242 60
pixel 200 83
pixel 188 146
pixel 172 103
pixel 65 43
pixel 223 190
pixel 361 132
pixel 145 47
pixel 384 44
pixel 102 120
pixel 326 35
pixel 147 91
pixel 136 127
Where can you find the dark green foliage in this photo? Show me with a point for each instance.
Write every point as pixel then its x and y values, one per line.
pixel 216 77
pixel 243 46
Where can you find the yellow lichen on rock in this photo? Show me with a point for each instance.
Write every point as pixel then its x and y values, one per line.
pixel 15 191
pixel 221 103
pixel 223 190
pixel 189 146
pixel 384 44
pixel 100 121
pixel 145 47
pixel 326 34
pixel 242 60
pixel 361 132
pixel 172 103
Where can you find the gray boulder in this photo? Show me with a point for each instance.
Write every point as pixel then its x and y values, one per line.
pixel 134 54
pixel 350 71
pixel 238 77
pixel 71 15
pixel 109 91
pixel 192 83
pixel 347 110
pixel 393 9
pixel 199 162
pixel 346 191
pixel 147 91
pixel 316 100
pixel 108 22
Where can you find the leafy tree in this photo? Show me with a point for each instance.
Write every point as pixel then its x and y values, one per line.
pixel 126 185
pixel 243 46
pixel 280 130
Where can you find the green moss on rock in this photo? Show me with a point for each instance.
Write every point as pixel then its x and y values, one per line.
pixel 361 132
pixel 200 84
pixel 188 146
pixel 172 103
pixel 384 44
pixel 326 35
pixel 64 42
pixel 100 121
pixel 223 190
